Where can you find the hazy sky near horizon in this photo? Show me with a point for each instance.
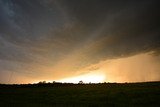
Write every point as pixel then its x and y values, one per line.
pixel 111 40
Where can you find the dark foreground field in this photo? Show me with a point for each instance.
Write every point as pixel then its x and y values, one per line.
pixel 71 95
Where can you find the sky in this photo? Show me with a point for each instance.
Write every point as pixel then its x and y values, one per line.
pixel 73 40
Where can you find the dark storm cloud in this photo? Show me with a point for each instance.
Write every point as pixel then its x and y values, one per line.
pixel 46 31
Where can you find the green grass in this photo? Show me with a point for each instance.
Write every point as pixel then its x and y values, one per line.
pixel 91 95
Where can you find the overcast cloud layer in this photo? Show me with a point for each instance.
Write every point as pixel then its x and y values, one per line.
pixel 67 35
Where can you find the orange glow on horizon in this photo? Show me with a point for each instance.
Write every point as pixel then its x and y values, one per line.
pixel 86 78
pixel 128 69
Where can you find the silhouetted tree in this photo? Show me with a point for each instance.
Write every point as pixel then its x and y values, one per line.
pixel 80 82
pixel 42 82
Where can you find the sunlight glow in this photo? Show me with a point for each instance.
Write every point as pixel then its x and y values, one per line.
pixel 86 78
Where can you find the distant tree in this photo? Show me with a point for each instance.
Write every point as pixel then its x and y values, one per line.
pixel 42 82
pixel 80 82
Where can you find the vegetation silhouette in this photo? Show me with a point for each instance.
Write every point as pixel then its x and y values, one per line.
pixel 80 82
pixel 57 94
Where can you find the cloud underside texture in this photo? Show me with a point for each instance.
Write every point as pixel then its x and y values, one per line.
pixel 49 33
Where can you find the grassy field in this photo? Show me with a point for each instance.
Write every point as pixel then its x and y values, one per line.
pixel 81 95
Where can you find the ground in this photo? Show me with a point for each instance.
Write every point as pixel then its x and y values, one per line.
pixel 81 95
